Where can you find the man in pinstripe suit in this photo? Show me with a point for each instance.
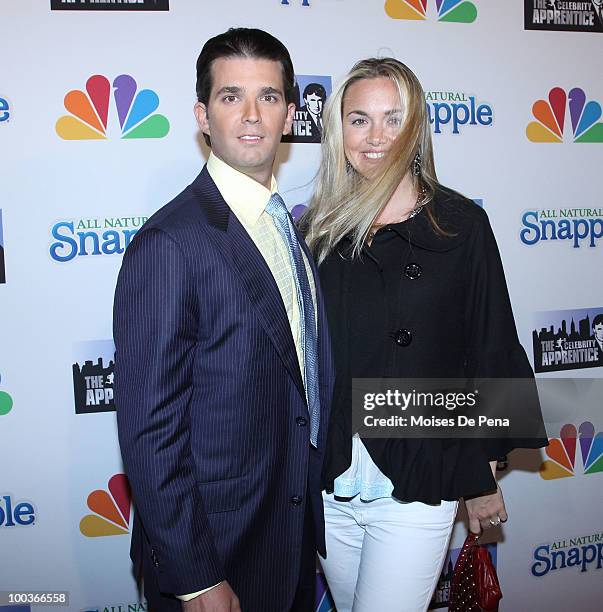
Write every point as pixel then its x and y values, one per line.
pixel 222 416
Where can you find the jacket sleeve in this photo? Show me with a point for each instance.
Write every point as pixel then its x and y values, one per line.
pixel 155 332
pixel 493 348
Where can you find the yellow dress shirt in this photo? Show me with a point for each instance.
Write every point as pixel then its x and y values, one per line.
pixel 247 199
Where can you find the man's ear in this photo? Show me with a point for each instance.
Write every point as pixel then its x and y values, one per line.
pixel 289 121
pixel 200 111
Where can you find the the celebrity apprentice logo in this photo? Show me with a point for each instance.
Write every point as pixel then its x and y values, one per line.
pixel 110 5
pixel 93 374
pixel 568 340
pixel 564 15
pixel 311 92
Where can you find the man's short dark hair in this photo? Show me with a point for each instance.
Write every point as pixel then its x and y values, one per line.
pixel 598 320
pixel 316 89
pixel 243 42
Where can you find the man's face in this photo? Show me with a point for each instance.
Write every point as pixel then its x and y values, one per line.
pixel 599 332
pixel 246 114
pixel 314 103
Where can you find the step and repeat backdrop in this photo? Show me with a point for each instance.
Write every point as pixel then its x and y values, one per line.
pixel 97 132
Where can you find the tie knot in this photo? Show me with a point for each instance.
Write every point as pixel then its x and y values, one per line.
pixel 276 207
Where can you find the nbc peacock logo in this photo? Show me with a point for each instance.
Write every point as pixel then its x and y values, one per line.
pixel 454 11
pixel 111 509
pixel 89 111
pixel 550 117
pixel 6 402
pixel 561 452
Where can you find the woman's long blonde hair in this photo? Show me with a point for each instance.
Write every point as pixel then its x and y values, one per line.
pixel 344 203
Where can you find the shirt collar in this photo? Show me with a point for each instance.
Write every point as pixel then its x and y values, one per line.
pixel 246 197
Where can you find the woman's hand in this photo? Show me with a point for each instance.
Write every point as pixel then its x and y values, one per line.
pixel 486 511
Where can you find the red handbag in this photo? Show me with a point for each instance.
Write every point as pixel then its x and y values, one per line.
pixel 475 585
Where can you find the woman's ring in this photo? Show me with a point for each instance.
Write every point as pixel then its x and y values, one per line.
pixel 496 522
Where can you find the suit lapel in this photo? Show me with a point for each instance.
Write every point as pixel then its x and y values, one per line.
pixel 241 252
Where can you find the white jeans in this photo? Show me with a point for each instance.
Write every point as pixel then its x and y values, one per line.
pixel 385 555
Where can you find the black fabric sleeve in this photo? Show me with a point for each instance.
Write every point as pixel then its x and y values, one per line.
pixel 493 348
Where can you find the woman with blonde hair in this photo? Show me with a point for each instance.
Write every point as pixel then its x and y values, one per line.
pixel 414 288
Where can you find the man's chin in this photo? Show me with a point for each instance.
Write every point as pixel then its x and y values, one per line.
pixel 254 160
pixel 253 164
pixel 254 168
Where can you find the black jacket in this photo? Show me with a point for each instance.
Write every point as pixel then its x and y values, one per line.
pixel 421 305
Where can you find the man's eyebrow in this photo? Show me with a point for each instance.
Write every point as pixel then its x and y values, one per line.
pixel 270 90
pixel 238 90
pixel 229 89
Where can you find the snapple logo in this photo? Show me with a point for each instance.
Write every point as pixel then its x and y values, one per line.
pixel 456 108
pixel 584 553
pixel 82 237
pixel 4 110
pixel 15 515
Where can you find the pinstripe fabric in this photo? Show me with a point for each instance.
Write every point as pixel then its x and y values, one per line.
pixel 262 230
pixel 268 241
pixel 208 389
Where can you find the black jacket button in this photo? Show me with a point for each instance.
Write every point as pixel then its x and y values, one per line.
pixel 301 421
pixel 296 500
pixel 413 271
pixel 402 337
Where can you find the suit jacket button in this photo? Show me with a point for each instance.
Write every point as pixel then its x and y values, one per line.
pixel 402 337
pixel 296 500
pixel 301 421
pixel 413 271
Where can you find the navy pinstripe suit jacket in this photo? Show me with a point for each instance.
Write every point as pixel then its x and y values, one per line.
pixel 211 408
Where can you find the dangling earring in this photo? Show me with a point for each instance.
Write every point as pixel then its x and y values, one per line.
pixel 348 166
pixel 416 164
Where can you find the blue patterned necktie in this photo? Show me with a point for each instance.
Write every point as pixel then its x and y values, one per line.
pixel 282 219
